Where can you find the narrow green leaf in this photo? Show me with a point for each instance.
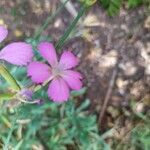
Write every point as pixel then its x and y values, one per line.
pixel 9 78
pixel 79 92
pixel 83 106
pixel 17 147
pixel 63 39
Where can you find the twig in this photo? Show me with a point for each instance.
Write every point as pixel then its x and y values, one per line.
pixel 108 94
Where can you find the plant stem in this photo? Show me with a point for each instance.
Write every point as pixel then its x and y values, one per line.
pixel 63 39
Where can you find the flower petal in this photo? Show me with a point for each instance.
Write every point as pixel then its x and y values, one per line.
pixel 48 52
pixel 3 33
pixel 68 60
pixel 38 71
pixel 73 79
pixel 58 90
pixel 17 53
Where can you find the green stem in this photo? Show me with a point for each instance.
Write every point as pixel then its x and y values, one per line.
pixel 49 19
pixel 38 87
pixel 63 39
pixel 9 78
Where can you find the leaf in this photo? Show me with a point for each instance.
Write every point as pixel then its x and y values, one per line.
pixel 9 78
pixel 17 147
pixel 83 106
pixel 78 92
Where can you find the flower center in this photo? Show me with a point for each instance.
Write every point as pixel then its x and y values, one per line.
pixel 57 71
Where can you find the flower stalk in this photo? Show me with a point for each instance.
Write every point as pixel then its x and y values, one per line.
pixel 66 34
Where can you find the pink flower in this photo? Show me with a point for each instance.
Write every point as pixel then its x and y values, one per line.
pixel 17 53
pixel 3 33
pixel 61 75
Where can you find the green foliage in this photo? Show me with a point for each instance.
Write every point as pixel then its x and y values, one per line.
pixel 134 3
pixel 112 6
pixel 55 126
pixel 140 137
